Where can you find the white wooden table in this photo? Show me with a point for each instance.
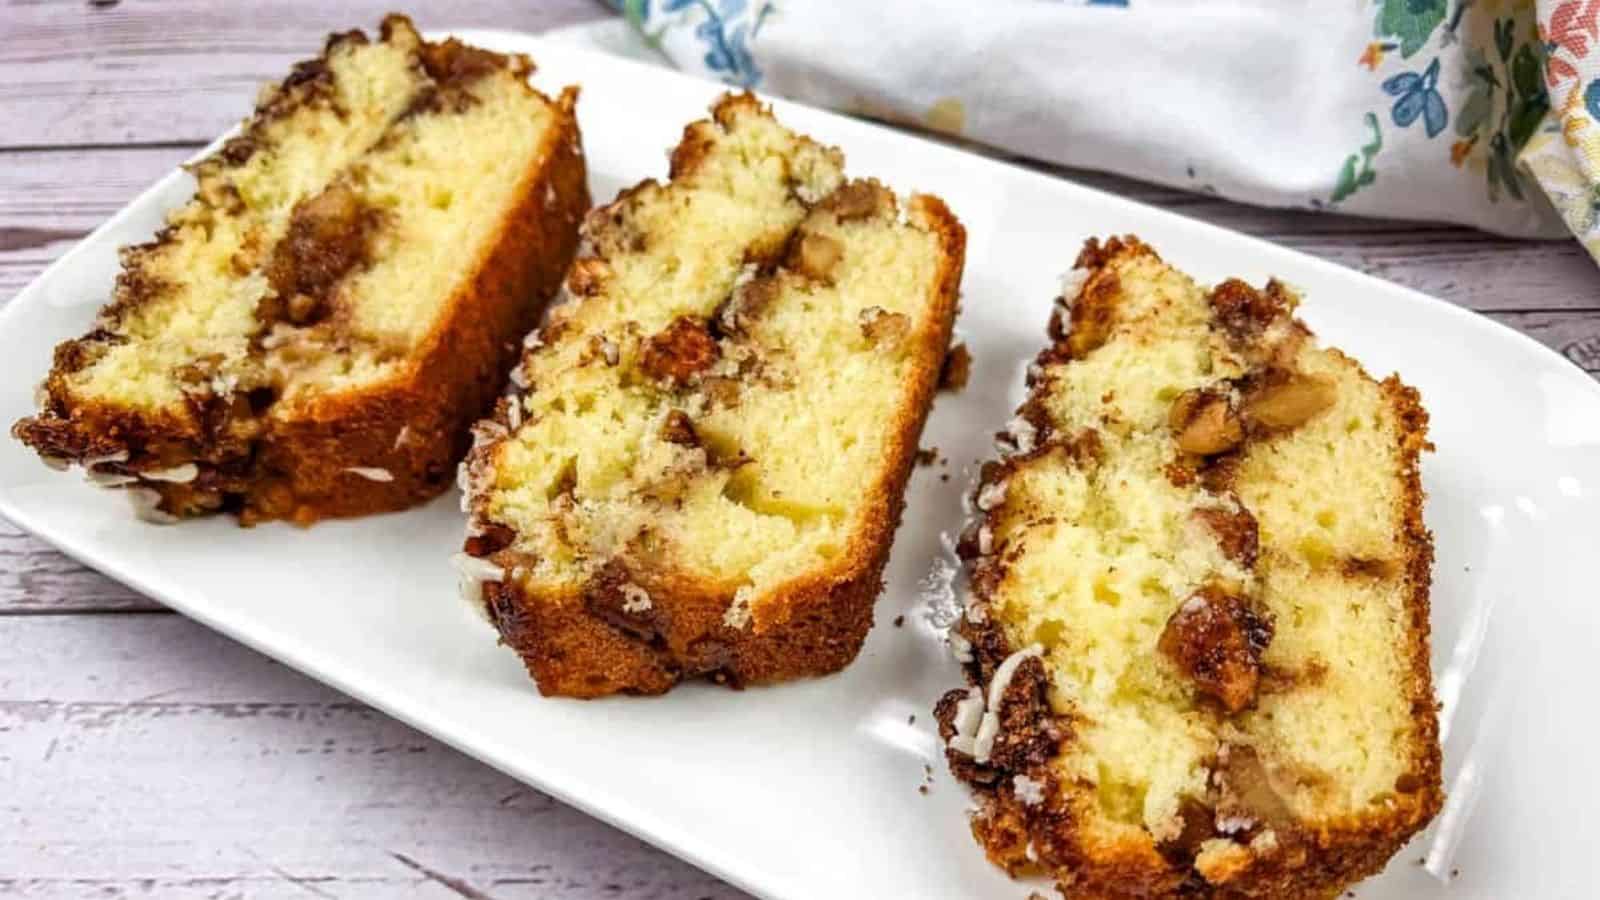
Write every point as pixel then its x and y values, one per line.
pixel 141 755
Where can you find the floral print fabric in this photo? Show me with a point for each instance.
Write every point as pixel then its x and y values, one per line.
pixel 1483 112
pixel 1564 154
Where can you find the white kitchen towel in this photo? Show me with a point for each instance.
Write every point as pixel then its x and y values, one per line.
pixel 1414 109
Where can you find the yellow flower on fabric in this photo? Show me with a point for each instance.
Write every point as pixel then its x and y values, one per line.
pixel 1575 130
pixel 1372 57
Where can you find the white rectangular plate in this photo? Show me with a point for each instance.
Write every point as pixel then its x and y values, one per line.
pixel 810 790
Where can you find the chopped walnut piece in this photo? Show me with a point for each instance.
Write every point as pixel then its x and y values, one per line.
pixel 858 200
pixel 1287 399
pixel 679 352
pixel 1218 473
pixel 745 307
pixel 720 390
pixel 1246 791
pixel 1216 640
pixel 1204 423
pixel 1244 312
pixel 678 429
pixel 879 325
pixel 1236 532
pixel 588 275
pixel 815 255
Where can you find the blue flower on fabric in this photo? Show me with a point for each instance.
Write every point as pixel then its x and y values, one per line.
pixel 1419 96
pixel 725 37
pixel 1591 98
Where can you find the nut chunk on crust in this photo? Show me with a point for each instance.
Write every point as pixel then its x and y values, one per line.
pixel 293 345
pixel 704 473
pixel 1197 639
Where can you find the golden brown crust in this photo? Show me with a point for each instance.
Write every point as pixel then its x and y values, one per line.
pixel 1317 861
pixel 589 646
pixel 382 448
pixel 416 426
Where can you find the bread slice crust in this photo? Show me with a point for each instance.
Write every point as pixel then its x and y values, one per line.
pixel 1033 818
pixel 587 639
pixel 384 445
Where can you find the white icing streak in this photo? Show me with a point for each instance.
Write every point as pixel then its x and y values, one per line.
pixel 981 744
pixel 180 474
pixel 991 495
pixel 1072 282
pixel 145 506
pixel 473 572
pixel 969 713
pixel 477 569
pixel 371 473
pixel 1021 434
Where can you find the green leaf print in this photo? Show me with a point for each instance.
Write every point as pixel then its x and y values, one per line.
pixel 1502 173
pixel 1474 111
pixel 635 11
pixel 1526 114
pixel 1357 171
pixel 1526 72
pixel 1502 37
pixel 1411 21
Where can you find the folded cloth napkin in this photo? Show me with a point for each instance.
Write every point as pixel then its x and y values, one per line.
pixel 1415 109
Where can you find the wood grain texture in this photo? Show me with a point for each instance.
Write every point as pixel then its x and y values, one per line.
pixel 36 579
pixel 142 755
pixel 143 71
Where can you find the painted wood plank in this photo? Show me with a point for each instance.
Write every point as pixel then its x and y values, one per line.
pixel 1574 335
pixel 143 755
pixel 36 579
pixel 50 199
pixel 73 72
